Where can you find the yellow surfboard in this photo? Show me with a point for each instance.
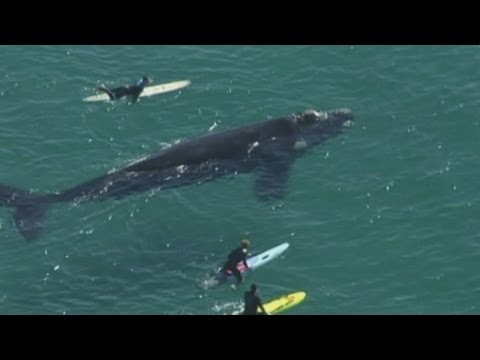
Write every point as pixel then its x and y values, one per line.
pixel 283 302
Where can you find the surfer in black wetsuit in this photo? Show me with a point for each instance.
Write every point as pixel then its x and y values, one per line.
pixel 127 90
pixel 236 256
pixel 253 302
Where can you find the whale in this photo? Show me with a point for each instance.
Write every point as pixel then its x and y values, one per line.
pixel 266 148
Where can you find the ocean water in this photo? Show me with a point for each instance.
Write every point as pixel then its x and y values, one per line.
pixel 380 220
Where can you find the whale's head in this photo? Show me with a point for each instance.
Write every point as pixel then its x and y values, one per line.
pixel 317 126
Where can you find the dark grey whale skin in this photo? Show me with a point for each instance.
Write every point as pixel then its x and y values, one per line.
pixel 268 148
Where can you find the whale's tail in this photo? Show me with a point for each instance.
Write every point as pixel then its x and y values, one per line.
pixel 29 210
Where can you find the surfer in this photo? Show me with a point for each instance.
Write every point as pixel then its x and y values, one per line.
pixel 127 90
pixel 253 302
pixel 236 256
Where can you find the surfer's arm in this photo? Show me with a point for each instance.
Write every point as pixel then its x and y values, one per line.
pixel 135 98
pixel 137 93
pixel 263 309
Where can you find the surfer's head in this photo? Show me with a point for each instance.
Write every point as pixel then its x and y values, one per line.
pixel 245 243
pixel 146 80
pixel 253 287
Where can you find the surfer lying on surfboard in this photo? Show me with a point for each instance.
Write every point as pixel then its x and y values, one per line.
pixel 127 90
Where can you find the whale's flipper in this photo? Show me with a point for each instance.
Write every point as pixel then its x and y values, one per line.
pixel 29 220
pixel 272 180
pixel 29 210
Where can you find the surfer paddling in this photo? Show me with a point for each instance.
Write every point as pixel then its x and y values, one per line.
pixel 127 90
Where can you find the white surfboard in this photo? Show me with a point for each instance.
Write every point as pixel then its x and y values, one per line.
pixel 147 91
pixel 263 258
